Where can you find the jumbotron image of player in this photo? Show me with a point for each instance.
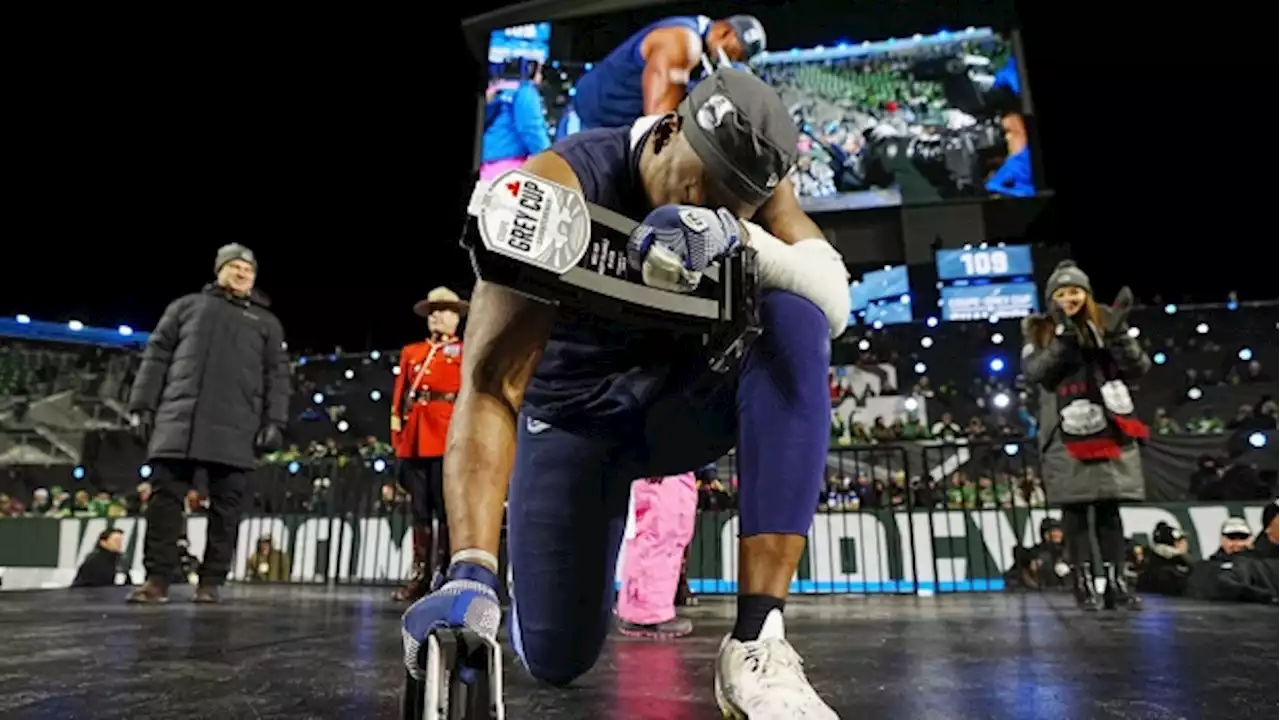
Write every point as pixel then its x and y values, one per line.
pixel 650 72
pixel 570 409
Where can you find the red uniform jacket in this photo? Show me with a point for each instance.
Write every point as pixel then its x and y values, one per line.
pixel 428 383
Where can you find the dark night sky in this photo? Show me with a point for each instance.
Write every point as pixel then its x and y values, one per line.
pixel 336 147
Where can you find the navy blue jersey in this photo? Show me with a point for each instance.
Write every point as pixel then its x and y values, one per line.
pixel 611 94
pixel 593 373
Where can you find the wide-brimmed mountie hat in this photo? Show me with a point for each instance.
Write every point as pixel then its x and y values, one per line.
pixel 442 298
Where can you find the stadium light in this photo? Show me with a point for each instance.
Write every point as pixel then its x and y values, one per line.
pixel 23 319
pixel 1203 328
pixel 144 472
pixel 75 325
pixel 921 368
pixel 125 330
pixel 1245 354
pixel 349 374
pixel 1134 331
pixel 1195 393
pixel 375 395
pixel 1258 440
pixel 343 426
pixel 318 398
pixel 997 338
pixel 864 344
pixel 926 342
pixel 1001 400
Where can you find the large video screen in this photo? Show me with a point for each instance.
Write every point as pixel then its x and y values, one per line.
pixel 906 121
pixel 883 122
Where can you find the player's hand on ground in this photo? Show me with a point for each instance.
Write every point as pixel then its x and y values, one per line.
pixel 468 600
pixel 675 243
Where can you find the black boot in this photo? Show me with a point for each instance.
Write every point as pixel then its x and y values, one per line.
pixel 419 583
pixel 1086 593
pixel 1117 593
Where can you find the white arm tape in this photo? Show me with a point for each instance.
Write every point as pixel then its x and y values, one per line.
pixel 811 269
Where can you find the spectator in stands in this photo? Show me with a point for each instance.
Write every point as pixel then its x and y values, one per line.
pixel 1205 422
pixel 1052 554
pixel 213 388
pixel 1235 537
pixel 1163 424
pixel 975 429
pixel 946 429
pixel 1205 478
pixel 1267 544
pixel 267 563
pixel 1081 356
pixel 1255 373
pixel 1243 420
pixel 913 429
pixel 138 502
pixel 41 503
pixel 102 564
pixel 10 507
pixel 1169 566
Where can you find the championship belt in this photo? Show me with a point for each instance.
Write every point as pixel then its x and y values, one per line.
pixel 546 241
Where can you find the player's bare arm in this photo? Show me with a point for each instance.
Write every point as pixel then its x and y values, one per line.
pixel 506 334
pixel 782 217
pixel 668 60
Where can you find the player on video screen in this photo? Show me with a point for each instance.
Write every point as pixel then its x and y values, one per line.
pixel 1013 178
pixel 649 73
pixel 515 125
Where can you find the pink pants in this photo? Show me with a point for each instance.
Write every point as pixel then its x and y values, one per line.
pixel 489 171
pixel 664 519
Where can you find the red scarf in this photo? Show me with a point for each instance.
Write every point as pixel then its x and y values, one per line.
pixel 1096 410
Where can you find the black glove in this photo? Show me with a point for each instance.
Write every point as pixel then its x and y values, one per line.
pixel 1115 319
pixel 270 438
pixel 141 424
pixel 1059 316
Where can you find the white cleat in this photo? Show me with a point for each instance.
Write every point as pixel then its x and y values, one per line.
pixel 764 679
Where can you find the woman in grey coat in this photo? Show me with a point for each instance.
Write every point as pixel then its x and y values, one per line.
pixel 1080 355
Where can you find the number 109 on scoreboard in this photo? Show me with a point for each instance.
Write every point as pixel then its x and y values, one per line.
pixel 994 262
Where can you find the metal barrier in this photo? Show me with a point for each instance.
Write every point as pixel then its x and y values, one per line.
pixel 906 518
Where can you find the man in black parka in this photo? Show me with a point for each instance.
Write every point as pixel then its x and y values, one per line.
pixel 213 389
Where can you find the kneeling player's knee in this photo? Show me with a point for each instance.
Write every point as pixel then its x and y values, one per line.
pixel 796 345
pixel 555 661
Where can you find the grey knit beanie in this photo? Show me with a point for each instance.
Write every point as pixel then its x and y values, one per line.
pixel 233 251
pixel 1066 274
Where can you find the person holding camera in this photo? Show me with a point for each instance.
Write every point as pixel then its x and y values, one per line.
pixel 212 389
pixel 1081 356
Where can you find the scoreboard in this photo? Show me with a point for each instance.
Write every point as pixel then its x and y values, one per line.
pixel 987 283
pixel 991 301
pixel 995 262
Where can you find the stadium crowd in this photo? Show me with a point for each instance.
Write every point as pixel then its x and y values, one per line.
pixel 1204 358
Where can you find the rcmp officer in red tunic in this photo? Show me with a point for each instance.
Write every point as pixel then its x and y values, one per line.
pixel 426 387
